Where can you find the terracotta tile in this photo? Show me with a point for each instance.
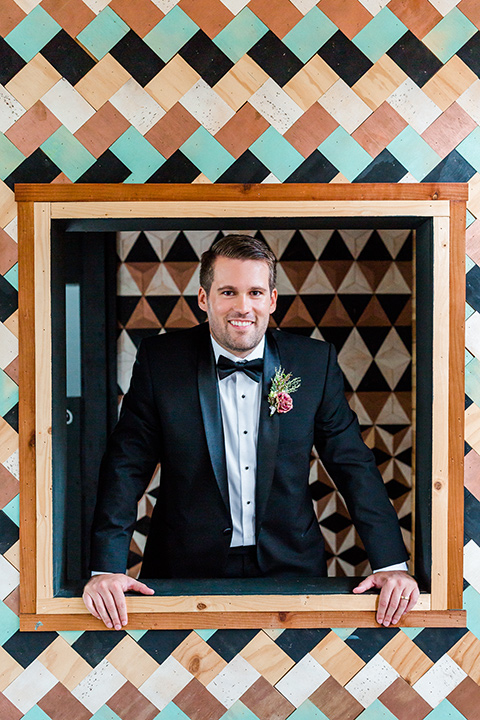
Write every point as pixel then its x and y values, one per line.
pixel 197 703
pixel 10 16
pixel 403 655
pixel 418 15
pixel 33 128
pixel 241 82
pixel 8 251
pixel 61 179
pixel 311 129
pixel 374 272
pixel 143 317
pixel 33 81
pixel 210 15
pixel 471 9
pixel 181 317
pixel 350 16
pixel 72 15
pixel 466 698
pixel 9 486
pixel 102 129
pixel 472 473
pixel 266 702
pixel 466 653
pixel 199 658
pixel 311 82
pixel 171 83
pixel 12 601
pixel 132 661
pixel 141 16
pixel 335 702
pixel 8 711
pixel 449 82
pixel 102 81
pixel 263 654
pixel 297 315
pixel 337 658
pixel 242 130
pixel 181 273
pixel 172 130
pixel 336 271
pixel 378 130
pixel 278 15
pixel 129 704
pixel 379 82
pixel 404 702
pixel 297 271
pixel 445 133
pixel 473 241
pixel 12 370
pixel 59 704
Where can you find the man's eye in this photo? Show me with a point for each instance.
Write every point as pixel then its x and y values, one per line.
pixel 256 293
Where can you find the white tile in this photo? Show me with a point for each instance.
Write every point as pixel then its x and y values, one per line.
pixel 126 354
pixel 271 178
pixel 137 106
pixel 374 6
pixel 96 5
pixel 207 107
pixel 355 240
pixel 12 464
pixel 471 571
pixel 233 681
pixel 306 5
pixel 162 241
pixel 29 687
pixel 201 240
pixel 68 105
pixel 371 681
pixel 470 101
pixel 392 358
pixel 235 5
pixel 284 285
pixel 317 283
pixel 355 358
pixel 27 5
pixel 10 109
pixel 355 282
pixel 278 240
pixel 393 240
pixel 125 242
pixel 12 229
pixel 8 346
pixel 126 285
pixel 316 240
pixel 9 578
pixel 345 106
pixel 393 282
pixel 302 680
pixel 414 106
pixel 392 413
pixel 165 5
pixel 444 6
pixel 472 328
pixel 99 686
pixel 439 681
pixel 162 283
pixel 276 106
pixel 165 683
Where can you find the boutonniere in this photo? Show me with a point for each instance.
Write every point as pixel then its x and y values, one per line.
pixel 279 397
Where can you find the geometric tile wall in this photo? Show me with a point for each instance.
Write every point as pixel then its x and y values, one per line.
pixel 350 287
pixel 237 91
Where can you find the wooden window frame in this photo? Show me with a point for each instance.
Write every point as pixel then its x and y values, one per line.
pixel 39 204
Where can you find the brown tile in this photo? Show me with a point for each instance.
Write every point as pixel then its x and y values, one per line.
pixel 143 317
pixel 12 601
pixel 297 315
pixel 466 698
pixel 65 663
pixel 266 702
pixel 278 15
pixel 401 652
pixel 33 128
pixel 72 15
pixel 12 370
pixel 473 241
pixel 379 129
pixel 61 179
pixel 311 129
pixel 141 15
pixel 297 271
pixel 172 130
pixel 130 659
pixel 350 16
pixel 374 315
pixel 210 15
pixel 404 702
pixel 102 129
pixel 9 486
pixel 336 271
pixel 335 702
pixel 471 9
pixel 8 711
pixel 447 131
pixel 418 15
pixel 10 16
pixel 181 273
pixel 197 703
pixel 181 316
pixel 130 704
pixel 199 658
pixel 374 271
pixel 242 130
pixel 8 252
pixel 60 704
pixel 472 473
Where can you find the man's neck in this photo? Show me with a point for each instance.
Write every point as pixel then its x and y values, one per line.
pixel 255 352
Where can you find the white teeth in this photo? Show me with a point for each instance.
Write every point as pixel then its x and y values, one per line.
pixel 241 323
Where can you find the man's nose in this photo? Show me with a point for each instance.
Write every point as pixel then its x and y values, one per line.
pixel 243 304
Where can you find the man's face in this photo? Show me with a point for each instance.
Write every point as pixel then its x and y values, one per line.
pixel 239 303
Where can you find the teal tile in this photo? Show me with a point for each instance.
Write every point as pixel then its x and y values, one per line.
pixel 240 34
pixel 36 713
pixel 468 357
pixel 449 35
pixel 137 154
pixel 379 34
pixel 71 636
pixel 172 712
pixel 68 153
pixel 136 634
pixel 345 153
pixel 276 153
pixel 207 154
pixel 470 218
pixel 343 633
pixel 8 393
pixel 32 33
pixel 103 33
pixel 472 380
pixel 105 713
pixel 205 634
pixel 171 33
pixel 309 34
pixel 307 711
pixel 12 509
pixel 444 711
pixel 12 276
pixel 470 149
pixel 412 632
pixel 9 623
pixel 239 711
pixel 469 263
pixel 10 157
pixel 471 603
pixel 468 310
pixel 377 711
pixel 414 153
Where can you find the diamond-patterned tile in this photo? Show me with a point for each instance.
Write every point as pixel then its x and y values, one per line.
pixel 72 15
pixel 404 702
pixel 275 58
pixel 350 16
pixel 344 105
pixel 33 128
pixel 205 664
pixel 29 687
pixel 266 702
pixel 378 83
pixel 129 704
pixel 280 15
pixel 32 33
pixel 335 702
pixel 345 58
pixel 278 109
pixel 12 14
pixel 197 703
pixel 102 33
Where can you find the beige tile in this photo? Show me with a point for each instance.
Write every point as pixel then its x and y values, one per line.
pixel 102 81
pixel 267 658
pixel 132 661
pixel 33 81
pixel 337 658
pixel 172 82
pixel 473 202
pixel 449 82
pixel 8 208
pixel 8 440
pixel 406 658
pixel 241 81
pixel 13 555
pixel 63 662
pixel 12 323
pixel 379 82
pixel 311 82
pixel 199 658
pixel 466 653
pixel 9 669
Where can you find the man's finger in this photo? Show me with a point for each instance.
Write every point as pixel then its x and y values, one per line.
pixel 413 599
pixel 102 610
pixel 120 607
pixel 90 606
pixel 383 604
pixel 140 587
pixel 366 584
pixel 110 599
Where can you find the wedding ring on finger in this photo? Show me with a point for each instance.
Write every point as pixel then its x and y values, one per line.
pixel 404 597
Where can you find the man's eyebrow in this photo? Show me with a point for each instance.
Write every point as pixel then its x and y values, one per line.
pixel 233 287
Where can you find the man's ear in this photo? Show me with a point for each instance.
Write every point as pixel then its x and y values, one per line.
pixel 202 299
pixel 273 300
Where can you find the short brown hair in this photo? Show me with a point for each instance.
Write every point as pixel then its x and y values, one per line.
pixel 238 247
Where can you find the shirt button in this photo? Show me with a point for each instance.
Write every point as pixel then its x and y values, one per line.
pixel 245 432
pixel 246 467
pixel 243 397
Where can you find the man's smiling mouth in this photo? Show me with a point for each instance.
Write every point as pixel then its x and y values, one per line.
pixel 241 323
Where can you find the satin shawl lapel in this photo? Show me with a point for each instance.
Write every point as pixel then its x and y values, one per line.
pixel 211 413
pixel 268 431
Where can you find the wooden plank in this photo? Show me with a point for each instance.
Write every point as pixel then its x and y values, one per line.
pixel 26 409
pixel 183 192
pixel 456 405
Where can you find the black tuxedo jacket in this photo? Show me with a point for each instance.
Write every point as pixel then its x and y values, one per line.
pixel 171 414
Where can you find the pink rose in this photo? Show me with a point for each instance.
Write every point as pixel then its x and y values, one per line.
pixel 284 402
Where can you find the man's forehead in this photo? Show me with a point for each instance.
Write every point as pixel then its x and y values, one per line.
pixel 238 268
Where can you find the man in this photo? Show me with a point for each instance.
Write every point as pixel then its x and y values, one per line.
pixel 234 451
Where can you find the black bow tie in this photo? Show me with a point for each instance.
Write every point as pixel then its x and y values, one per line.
pixel 252 368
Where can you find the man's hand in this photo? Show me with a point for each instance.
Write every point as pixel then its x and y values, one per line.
pixel 398 594
pixel 104 597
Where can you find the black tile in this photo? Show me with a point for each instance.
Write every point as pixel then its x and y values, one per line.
pixel 162 306
pixel 142 251
pixel 395 489
pixel 435 642
pixel 136 336
pixel 354 555
pixel 405 522
pixel 94 645
pixel 468 402
pixel 24 647
pixel 467 448
pixel 297 249
pixel 453 168
pixel 405 333
pixel 345 58
pixel 470 53
pixel 473 288
pixel 385 168
pixel 137 58
pixel 177 169
pixel 336 249
pixel 12 417
pixel 206 58
pixel 67 57
pixel 316 168
pixel 367 642
pixel 414 58
pixel 36 168
pixel 283 305
pixel 246 169
pixel 335 522
pixel 375 249
pixel 8 299
pixel 373 380
pixel 297 643
pixel 275 58
pixel 192 303
pixel 405 382
pixel 380 456
pixel 228 643
pixel 405 456
pixel 393 304
pixel 181 250
pixel 406 251
pixel 10 62
pixel 317 306
pixel 373 337
pixel 355 304
pixel 142 525
pixel 319 490
pixel 336 335
pixel 125 306
pixel 106 169
pixel 8 532
pixel 472 517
